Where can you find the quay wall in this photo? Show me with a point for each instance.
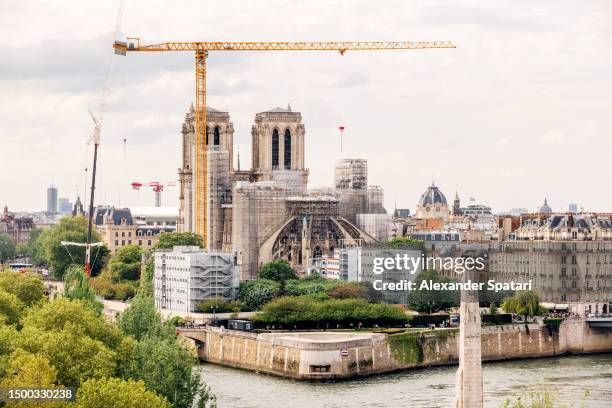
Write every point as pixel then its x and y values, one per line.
pixel 339 355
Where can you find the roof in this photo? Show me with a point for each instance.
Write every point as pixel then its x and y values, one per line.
pixel 278 109
pixel 116 214
pixel 432 195
pixel 155 212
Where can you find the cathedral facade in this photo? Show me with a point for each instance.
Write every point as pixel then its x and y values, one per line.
pixel 266 212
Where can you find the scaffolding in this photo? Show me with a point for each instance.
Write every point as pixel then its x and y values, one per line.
pixel 186 275
pixel 258 210
pixel 219 191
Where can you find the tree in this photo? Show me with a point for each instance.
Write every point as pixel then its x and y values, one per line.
pixel 113 392
pixel 76 356
pixel 63 313
pixel 59 257
pixel 77 287
pixel 125 264
pixel 348 290
pixel 525 303
pixel 10 308
pixel 256 293
pixel 28 288
pixel 168 240
pixel 21 249
pixel 8 339
pixel 166 367
pixel 407 243
pixel 141 319
pixel 35 249
pixel 7 248
pixel 278 270
pixel 431 301
pixel 28 370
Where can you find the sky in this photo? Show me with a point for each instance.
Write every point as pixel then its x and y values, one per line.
pixel 519 111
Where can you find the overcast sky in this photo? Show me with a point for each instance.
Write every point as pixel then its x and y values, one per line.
pixel 519 111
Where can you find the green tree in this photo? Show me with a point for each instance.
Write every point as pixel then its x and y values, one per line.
pixel 60 257
pixel 256 293
pixel 63 313
pixel 77 287
pixel 8 339
pixel 278 270
pixel 168 240
pixel 407 243
pixel 348 290
pixel 75 356
pixel 525 303
pixel 167 368
pixel 113 392
pixel 28 370
pixel 7 248
pixel 431 301
pixel 36 251
pixel 142 320
pixel 125 264
pixel 22 249
pixel 10 308
pixel 28 288
pixel 165 365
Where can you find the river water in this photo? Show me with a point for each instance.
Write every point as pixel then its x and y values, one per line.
pixel 565 377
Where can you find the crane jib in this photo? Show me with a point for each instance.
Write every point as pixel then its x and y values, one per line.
pixel 202 225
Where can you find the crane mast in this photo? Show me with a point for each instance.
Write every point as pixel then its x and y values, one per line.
pixel 201 50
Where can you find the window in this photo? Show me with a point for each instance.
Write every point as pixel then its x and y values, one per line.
pixel 122 242
pixel 207 133
pixel 563 284
pixel 573 271
pixel 149 243
pixel 217 136
pixel 574 260
pixel 275 149
pixel 320 368
pixel 563 271
pixel 140 242
pixel 287 155
pixel 563 259
pixel 574 284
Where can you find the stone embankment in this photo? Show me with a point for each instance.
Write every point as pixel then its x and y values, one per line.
pixel 342 355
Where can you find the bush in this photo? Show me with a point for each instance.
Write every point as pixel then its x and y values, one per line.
pixel 256 293
pixel 427 320
pixel 219 306
pixel 500 318
pixel 306 313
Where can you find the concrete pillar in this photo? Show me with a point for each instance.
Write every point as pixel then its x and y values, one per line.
pixel 469 373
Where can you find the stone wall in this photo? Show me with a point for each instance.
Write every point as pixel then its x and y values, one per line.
pixel 339 355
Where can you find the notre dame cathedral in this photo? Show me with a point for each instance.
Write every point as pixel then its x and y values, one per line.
pixel 267 212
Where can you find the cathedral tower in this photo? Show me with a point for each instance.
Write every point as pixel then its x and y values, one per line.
pixel 278 147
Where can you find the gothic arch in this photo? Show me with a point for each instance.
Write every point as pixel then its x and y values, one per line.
pixel 275 149
pixel 217 136
pixel 287 150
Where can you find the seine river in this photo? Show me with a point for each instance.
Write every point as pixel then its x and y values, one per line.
pixel 566 377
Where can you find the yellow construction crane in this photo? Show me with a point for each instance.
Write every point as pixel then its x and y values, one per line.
pixel 201 50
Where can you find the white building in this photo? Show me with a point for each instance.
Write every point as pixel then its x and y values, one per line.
pixel 186 275
pixel 357 264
